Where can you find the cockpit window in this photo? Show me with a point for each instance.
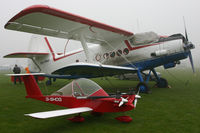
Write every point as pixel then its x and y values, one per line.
pixel 85 87
pixel 64 91
pixel 79 87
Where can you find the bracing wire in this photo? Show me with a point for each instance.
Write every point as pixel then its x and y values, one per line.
pixel 66 46
pixel 177 79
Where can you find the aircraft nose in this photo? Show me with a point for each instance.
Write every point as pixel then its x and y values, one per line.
pixel 189 46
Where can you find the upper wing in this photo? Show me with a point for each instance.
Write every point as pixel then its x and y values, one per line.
pixel 25 55
pixel 49 114
pixel 89 70
pixel 44 20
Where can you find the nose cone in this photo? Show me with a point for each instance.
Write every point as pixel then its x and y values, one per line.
pixel 189 45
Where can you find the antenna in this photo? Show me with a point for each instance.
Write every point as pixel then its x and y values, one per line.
pixel 138 25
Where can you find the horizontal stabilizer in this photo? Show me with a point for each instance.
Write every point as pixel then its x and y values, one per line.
pixel 25 55
pixel 25 74
pixel 49 114
pixel 89 70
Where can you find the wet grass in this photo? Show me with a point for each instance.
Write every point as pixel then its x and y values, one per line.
pixel 166 110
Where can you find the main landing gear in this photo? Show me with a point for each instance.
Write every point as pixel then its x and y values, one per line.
pixel 160 82
pixel 77 118
pixel 143 87
pixel 49 81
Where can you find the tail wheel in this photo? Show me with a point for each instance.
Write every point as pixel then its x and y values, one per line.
pixel 142 87
pixel 162 83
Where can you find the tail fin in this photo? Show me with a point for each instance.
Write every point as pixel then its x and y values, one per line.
pixel 38 44
pixel 32 89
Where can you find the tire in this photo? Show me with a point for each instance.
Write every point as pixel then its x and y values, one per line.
pixel 162 83
pixel 142 87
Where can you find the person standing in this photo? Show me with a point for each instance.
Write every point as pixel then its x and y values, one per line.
pixel 17 70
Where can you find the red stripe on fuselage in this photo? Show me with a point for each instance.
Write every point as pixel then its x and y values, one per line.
pixel 53 54
pixel 138 47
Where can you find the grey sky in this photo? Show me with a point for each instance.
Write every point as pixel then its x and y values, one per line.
pixel 162 16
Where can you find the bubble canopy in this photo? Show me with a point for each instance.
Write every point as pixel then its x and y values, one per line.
pixel 79 87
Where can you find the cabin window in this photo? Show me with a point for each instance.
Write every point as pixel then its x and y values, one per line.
pixel 79 87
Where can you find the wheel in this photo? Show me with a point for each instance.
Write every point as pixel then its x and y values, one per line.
pixel 54 79
pixel 162 83
pixel 142 87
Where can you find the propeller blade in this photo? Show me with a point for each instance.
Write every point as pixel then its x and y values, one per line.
pixel 189 46
pixel 123 100
pixel 186 35
pixel 121 103
pixel 135 102
pixel 136 98
pixel 191 61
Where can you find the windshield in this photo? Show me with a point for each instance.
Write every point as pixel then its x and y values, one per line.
pixel 79 87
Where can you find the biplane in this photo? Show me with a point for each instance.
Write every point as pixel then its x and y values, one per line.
pixel 116 51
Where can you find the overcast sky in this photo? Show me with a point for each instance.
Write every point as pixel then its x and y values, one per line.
pixel 165 17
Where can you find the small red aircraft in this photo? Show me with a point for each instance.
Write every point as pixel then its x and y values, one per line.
pixel 81 95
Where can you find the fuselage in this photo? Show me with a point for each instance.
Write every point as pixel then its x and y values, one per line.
pixel 120 53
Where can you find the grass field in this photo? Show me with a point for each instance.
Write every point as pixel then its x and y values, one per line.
pixel 166 110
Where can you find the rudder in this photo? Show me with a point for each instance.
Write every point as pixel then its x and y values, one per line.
pixel 32 89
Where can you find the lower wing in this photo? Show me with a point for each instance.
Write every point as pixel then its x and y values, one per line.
pixel 89 70
pixel 55 113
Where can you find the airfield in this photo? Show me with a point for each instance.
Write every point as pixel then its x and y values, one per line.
pixel 166 110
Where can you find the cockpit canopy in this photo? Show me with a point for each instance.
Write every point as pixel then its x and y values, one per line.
pixel 79 87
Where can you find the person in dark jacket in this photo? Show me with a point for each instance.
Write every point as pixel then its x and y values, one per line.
pixel 17 70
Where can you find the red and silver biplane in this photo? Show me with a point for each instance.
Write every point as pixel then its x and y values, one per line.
pixel 81 95
pixel 118 51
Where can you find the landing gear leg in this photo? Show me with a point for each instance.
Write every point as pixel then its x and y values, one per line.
pixel 48 82
pixel 161 82
pixel 142 86
pixel 77 118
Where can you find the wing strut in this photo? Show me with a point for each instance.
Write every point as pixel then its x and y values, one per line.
pixel 85 47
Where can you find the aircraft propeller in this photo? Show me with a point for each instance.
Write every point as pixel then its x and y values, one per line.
pixel 123 100
pixel 136 98
pixel 188 46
